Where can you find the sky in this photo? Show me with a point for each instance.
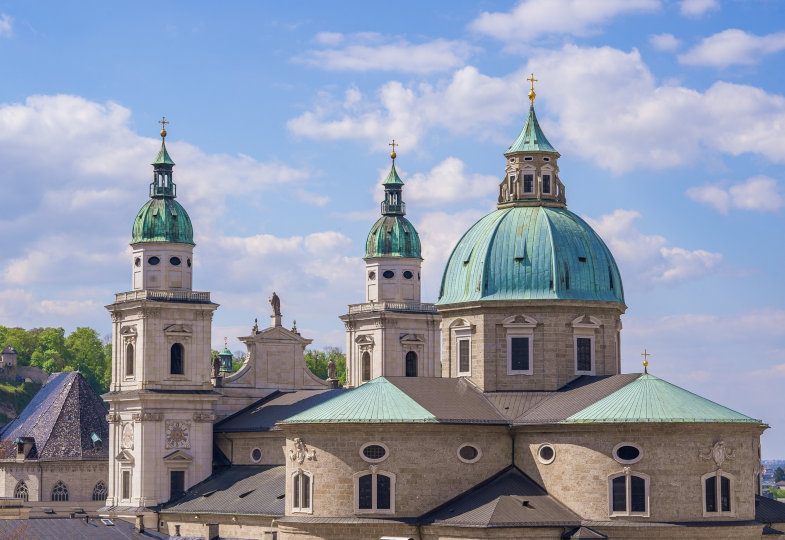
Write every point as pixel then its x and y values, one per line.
pixel 669 117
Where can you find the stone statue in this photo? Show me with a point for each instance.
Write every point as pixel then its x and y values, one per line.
pixel 256 326
pixel 331 369
pixel 275 302
pixel 216 366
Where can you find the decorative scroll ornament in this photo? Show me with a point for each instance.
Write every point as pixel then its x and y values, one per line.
pixel 300 452
pixel 719 453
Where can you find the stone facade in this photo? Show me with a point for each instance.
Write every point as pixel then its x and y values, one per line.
pixel 79 476
pixel 238 447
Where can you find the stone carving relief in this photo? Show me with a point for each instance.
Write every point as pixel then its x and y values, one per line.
pixel 719 453
pixel 300 452
pixel 127 436
pixel 113 418
pixel 204 417
pixel 145 416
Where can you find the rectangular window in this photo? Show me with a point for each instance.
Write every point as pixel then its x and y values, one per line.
pixel 637 494
pixel 528 183
pixel 583 354
pixel 365 492
pixel 546 183
pixel 382 492
pixel 464 356
pixel 306 491
pixel 176 483
pixel 620 494
pixel 126 485
pixel 725 493
pixel 711 494
pixel 519 354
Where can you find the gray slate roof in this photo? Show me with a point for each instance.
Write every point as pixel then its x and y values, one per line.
pixel 239 490
pixel 768 510
pixel 507 499
pixel 94 529
pixel 262 415
pixel 8 350
pixel 60 417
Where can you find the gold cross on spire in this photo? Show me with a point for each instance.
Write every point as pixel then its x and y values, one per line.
pixel 532 95
pixel 163 123
pixel 393 144
pixel 645 354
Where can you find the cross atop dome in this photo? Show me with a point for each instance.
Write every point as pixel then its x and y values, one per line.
pixel 532 95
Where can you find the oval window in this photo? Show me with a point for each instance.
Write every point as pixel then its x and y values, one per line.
pixel 408 275
pixel 153 260
pixel 546 159
pixel 138 261
pixel 188 261
pixel 469 453
pixel 546 454
pixel 372 276
pixel 627 453
pixel 373 452
pixel 388 274
pixel 256 455
pixel 174 261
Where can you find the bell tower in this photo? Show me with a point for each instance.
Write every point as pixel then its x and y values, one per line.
pixel 161 397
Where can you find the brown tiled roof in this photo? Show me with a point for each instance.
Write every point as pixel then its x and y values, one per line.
pixel 61 418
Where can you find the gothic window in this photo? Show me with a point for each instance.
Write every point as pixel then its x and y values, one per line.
pixel 100 491
pixel 411 364
pixel 176 483
pixel 176 359
pixel 366 367
pixel 546 184
pixel 464 356
pixel 717 493
pixel 60 492
pixel 374 492
pixel 129 360
pixel 628 494
pixel 20 492
pixel 528 183
pixel 584 354
pixel 302 491
pixel 125 481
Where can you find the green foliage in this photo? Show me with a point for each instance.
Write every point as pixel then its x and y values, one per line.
pixel 51 350
pixel 237 359
pixel 17 395
pixel 778 493
pixel 317 360
pixel 779 474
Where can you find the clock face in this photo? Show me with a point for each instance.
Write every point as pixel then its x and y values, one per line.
pixel 177 434
pixel 127 440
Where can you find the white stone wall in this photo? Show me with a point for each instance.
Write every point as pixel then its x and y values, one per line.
pixel 163 275
pixel 397 288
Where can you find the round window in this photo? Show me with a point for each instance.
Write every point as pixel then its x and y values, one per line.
pixel 372 276
pixel 408 275
pixel 256 455
pixel 188 261
pixel 153 260
pixel 138 261
pixel 374 452
pixel 546 454
pixel 627 453
pixel 388 274
pixel 175 261
pixel 469 453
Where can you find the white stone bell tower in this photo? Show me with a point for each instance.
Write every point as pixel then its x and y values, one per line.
pixel 161 397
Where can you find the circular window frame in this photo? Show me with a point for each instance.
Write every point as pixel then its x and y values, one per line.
pixel 154 260
pixel 260 454
pixel 377 460
pixel 138 262
pixel 188 262
pixel 543 460
pixel 388 274
pixel 408 274
pixel 372 276
pixel 175 261
pixel 627 461
pixel 475 446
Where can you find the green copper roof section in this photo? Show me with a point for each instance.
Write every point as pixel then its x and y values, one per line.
pixel 162 219
pixel 530 253
pixel 531 138
pixel 392 177
pixel 163 156
pixel 651 399
pixel 375 402
pixel 393 236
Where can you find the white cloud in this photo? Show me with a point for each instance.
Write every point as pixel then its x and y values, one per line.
pixel 696 8
pixel 531 19
pixel 759 194
pixel 309 197
pixel 650 259
pixel 664 42
pixel 375 52
pixel 6 25
pixel 731 47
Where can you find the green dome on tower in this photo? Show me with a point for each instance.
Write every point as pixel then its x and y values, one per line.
pixel 162 218
pixel 393 235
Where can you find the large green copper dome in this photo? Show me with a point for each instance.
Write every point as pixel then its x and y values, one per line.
pixel 393 236
pixel 162 219
pixel 531 253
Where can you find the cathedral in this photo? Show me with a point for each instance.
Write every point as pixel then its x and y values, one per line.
pixel 498 411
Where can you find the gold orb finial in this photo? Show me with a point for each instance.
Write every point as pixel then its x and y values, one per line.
pixel 393 155
pixel 163 121
pixel 645 354
pixel 532 95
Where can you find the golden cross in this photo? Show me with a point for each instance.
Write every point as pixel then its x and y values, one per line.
pixel 393 144
pixel 645 354
pixel 163 122
pixel 532 95
pixel 532 80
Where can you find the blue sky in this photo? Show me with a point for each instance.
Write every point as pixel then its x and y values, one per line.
pixel 669 115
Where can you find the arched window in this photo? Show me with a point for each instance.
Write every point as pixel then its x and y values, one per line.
pixel 60 492
pixel 302 491
pixel 717 493
pixel 176 360
pixel 20 492
pixel 99 491
pixel 411 364
pixel 628 494
pixel 129 360
pixel 366 368
pixel 374 492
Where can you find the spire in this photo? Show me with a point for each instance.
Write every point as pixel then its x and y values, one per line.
pixel 162 184
pixel 393 204
pixel 531 138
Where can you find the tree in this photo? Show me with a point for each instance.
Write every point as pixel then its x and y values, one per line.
pixel 317 360
pixel 779 474
pixel 88 354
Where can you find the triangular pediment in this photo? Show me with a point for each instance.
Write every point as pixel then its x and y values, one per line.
pixel 178 329
pixel 413 338
pixel 364 340
pixel 178 456
pixel 276 333
pixel 129 330
pixel 125 457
